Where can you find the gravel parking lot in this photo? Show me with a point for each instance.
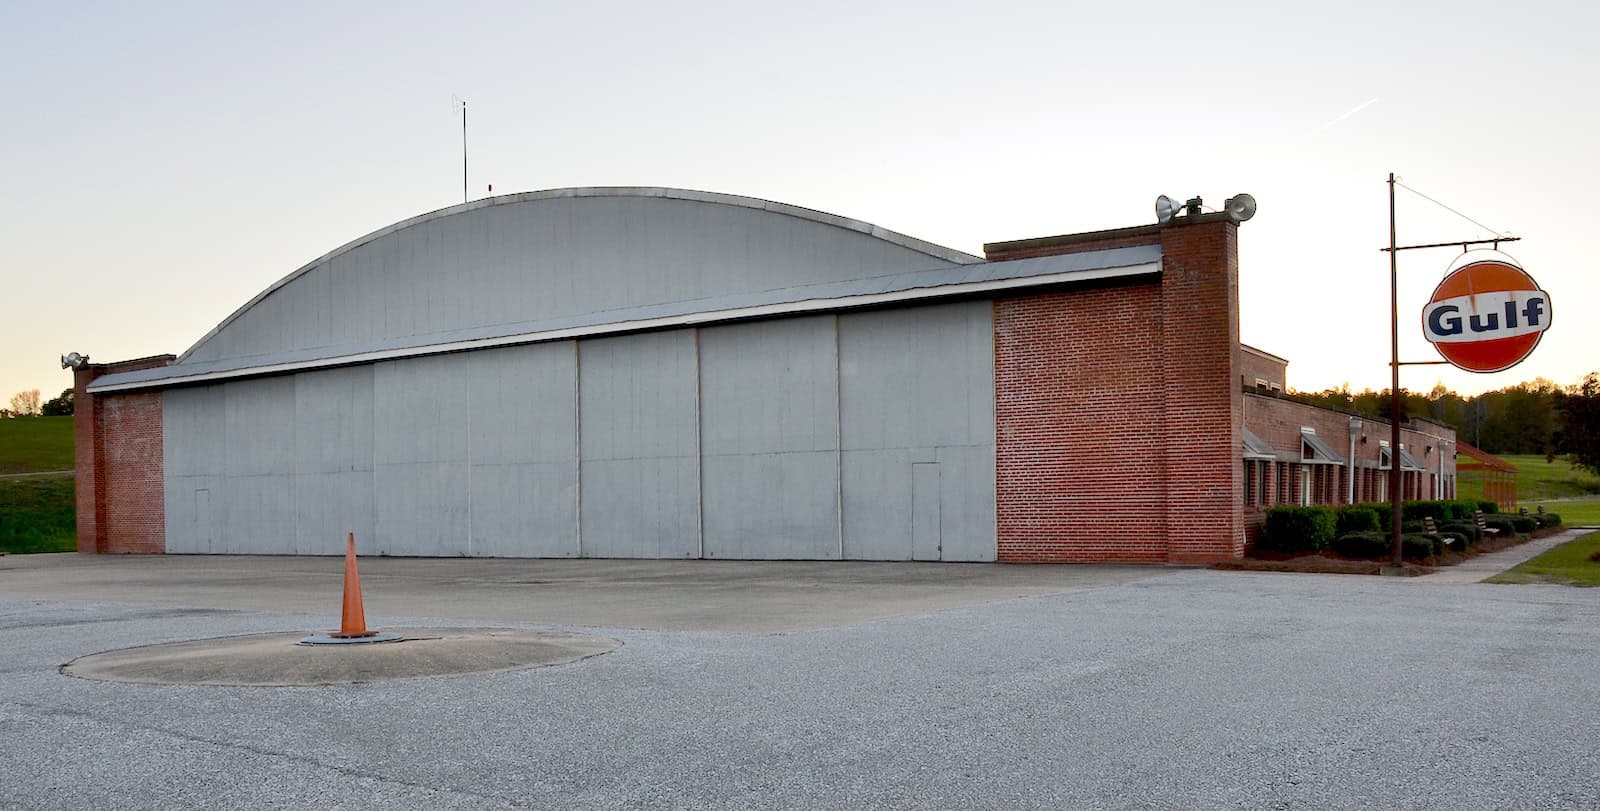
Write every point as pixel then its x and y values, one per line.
pixel 1186 689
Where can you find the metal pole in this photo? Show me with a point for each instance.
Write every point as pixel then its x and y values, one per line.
pixel 1394 384
pixel 464 153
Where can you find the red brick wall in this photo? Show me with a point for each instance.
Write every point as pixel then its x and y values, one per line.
pixel 1118 409
pixel 119 467
pixel 1200 358
pixel 85 418
pixel 131 474
pixel 1278 422
pixel 1078 415
pixel 1254 367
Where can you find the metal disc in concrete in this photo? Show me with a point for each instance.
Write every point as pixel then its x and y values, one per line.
pixel 277 659
pixel 370 638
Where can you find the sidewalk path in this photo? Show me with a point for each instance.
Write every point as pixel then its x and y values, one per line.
pixel 1483 567
pixel 33 475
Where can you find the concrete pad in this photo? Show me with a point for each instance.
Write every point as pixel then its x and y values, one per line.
pixel 703 595
pixel 277 660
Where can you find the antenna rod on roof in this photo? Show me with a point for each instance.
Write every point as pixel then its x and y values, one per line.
pixel 462 103
pixel 463 151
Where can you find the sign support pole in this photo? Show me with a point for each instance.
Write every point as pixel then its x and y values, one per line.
pixel 1395 408
pixel 1394 385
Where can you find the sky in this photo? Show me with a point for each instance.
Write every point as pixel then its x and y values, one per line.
pixel 161 163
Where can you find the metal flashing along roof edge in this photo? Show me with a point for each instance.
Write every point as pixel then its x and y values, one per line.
pixel 912 287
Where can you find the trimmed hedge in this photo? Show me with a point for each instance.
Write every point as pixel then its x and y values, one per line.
pixel 1502 523
pixel 1356 518
pixel 1383 510
pixel 1417 547
pixel 1460 540
pixel 1378 546
pixel 1523 524
pixel 1545 520
pixel 1439 511
pixel 1298 529
pixel 1467 528
pixel 1362 545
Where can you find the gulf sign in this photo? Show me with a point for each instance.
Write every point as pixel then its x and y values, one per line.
pixel 1486 315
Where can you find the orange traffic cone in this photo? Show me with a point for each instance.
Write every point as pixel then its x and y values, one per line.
pixel 353 622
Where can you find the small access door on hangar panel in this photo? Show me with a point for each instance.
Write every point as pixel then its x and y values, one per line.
pixel 204 535
pixel 926 543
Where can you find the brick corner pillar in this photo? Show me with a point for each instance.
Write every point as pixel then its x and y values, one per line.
pixel 1202 398
pixel 118 464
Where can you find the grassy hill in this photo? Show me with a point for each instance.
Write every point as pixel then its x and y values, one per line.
pixel 35 444
pixel 37 515
pixel 36 512
pixel 1557 486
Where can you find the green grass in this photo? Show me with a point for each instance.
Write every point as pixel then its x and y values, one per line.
pixel 1538 480
pixel 37 515
pixel 1567 564
pixel 1574 512
pixel 33 444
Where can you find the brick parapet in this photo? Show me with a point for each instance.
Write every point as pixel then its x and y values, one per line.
pixel 117 458
pixel 1118 408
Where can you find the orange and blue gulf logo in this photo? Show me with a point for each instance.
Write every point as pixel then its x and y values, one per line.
pixel 1487 315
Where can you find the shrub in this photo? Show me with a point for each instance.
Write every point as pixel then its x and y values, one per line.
pixel 1356 518
pixel 1382 508
pixel 1462 510
pixel 1418 510
pixel 1500 522
pixel 1549 519
pixel 1365 545
pixel 1523 524
pixel 1417 547
pixel 1298 529
pixel 1411 527
pixel 1467 528
pixel 1488 507
pixel 1457 541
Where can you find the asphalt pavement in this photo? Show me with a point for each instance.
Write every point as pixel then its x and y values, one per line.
pixel 1181 689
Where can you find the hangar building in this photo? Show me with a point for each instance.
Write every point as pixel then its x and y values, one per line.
pixel 660 373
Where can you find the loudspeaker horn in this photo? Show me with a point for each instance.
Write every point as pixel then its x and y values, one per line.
pixel 1240 207
pixel 1166 209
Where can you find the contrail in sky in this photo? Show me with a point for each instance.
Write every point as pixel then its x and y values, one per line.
pixel 1356 109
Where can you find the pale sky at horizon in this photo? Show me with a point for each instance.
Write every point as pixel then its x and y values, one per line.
pixel 165 162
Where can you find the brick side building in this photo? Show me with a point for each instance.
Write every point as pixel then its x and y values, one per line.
pixel 666 373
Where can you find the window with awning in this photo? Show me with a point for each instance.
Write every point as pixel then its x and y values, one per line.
pixel 1313 451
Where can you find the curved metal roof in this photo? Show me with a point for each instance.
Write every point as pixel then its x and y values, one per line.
pixel 915 254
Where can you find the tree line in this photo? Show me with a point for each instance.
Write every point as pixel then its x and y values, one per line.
pixel 1534 417
pixel 26 404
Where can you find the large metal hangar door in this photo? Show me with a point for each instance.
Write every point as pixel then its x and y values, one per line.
pixel 519 377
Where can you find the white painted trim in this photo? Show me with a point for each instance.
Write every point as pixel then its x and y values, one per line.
pixel 668 322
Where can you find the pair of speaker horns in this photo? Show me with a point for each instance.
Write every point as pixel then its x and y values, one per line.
pixel 1239 208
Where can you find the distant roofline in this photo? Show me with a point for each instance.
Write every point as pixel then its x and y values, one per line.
pixel 1263 353
pixel 799 212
